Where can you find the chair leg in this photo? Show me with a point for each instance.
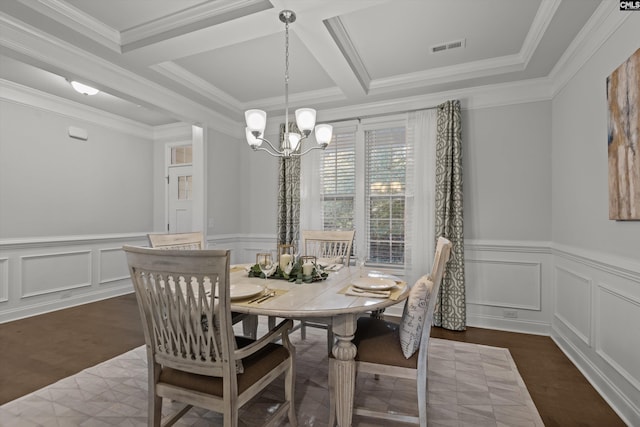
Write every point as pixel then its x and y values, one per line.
pixel 250 326
pixel 155 409
pixel 303 330
pixel 289 393
pixel 271 322
pixel 422 400
pixel 332 394
pixel 330 339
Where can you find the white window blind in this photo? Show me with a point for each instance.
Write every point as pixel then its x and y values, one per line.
pixel 385 184
pixel 363 177
pixel 338 181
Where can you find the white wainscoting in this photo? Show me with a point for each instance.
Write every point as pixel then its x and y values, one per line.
pixel 596 322
pixel 589 303
pixel 507 285
pixel 39 275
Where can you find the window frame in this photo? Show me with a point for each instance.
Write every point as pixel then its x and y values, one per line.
pixel 360 197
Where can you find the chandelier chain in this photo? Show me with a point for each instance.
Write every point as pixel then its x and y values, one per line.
pixel 286 84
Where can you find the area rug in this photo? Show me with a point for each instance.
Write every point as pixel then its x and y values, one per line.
pixel 469 385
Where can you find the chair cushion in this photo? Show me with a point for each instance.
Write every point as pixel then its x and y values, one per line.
pixel 256 366
pixel 413 317
pixel 378 342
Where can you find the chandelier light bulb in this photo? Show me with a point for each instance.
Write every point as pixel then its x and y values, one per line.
pixel 252 140
pixel 294 140
pixel 256 120
pixel 306 119
pixel 324 133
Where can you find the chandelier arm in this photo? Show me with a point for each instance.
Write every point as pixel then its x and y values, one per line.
pixel 316 147
pixel 276 154
pixel 270 145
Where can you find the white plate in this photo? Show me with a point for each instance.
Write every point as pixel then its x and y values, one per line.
pixel 245 290
pixel 373 283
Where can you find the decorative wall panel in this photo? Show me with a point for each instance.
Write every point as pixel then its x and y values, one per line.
pixel 620 350
pixel 55 272
pixel 573 302
pixel 113 265
pixel 4 279
pixel 504 283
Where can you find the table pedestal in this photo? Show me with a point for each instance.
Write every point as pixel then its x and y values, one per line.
pixel 344 368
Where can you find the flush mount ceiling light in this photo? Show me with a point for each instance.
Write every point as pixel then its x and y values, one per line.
pixel 83 88
pixel 305 117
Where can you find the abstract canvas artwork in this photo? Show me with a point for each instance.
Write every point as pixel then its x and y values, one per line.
pixel 623 96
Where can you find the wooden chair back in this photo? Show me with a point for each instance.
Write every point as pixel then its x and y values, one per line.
pixel 193 240
pixel 193 356
pixel 184 327
pixel 372 334
pixel 329 245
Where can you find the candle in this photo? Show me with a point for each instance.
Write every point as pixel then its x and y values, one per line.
pixel 307 268
pixel 284 261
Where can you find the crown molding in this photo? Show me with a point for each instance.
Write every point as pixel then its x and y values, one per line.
pixel 77 20
pixel 434 76
pixel 189 20
pixel 19 94
pixel 341 38
pixel 300 98
pixel 498 95
pixel 544 15
pixel 189 80
pixel 602 24
pixel 471 70
pixel 151 31
pixel 56 53
pixel 172 132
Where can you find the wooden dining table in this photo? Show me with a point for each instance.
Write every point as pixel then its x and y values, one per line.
pixel 327 300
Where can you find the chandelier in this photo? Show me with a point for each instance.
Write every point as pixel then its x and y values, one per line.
pixel 290 146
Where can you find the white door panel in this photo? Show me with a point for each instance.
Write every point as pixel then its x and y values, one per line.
pixel 180 199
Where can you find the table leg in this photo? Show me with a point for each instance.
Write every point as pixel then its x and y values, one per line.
pixel 344 351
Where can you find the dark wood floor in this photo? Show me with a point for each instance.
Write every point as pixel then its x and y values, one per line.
pixel 40 350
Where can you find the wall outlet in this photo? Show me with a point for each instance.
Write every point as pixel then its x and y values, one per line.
pixel 510 314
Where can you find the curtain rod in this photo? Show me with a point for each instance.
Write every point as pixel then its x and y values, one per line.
pixel 371 116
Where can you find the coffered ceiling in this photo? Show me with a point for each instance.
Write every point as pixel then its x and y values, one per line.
pixel 163 61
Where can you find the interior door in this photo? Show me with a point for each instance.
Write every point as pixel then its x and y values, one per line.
pixel 180 182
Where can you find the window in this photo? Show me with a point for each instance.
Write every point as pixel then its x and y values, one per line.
pixel 362 186
pixel 338 182
pixel 181 154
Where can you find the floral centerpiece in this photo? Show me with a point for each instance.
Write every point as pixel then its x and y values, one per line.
pixel 293 272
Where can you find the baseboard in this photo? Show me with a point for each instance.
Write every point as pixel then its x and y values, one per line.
pixel 509 325
pixel 627 410
pixel 44 307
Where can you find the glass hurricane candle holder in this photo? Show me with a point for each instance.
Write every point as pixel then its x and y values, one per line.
pixel 286 255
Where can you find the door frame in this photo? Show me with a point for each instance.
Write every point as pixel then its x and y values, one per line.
pixel 199 182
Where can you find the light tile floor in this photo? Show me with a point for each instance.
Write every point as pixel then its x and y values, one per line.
pixel 469 385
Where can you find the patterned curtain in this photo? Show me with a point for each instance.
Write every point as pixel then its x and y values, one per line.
pixel 451 312
pixel 289 196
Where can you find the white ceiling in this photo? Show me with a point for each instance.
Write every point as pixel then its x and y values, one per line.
pixel 163 61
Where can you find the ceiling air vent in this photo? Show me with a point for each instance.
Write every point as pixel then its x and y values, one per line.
pixel 449 45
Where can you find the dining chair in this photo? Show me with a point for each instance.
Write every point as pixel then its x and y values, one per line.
pixel 329 247
pixel 399 350
pixel 193 356
pixel 193 241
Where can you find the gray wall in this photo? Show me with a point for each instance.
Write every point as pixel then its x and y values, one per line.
pixel 223 189
pixel 580 184
pixel 53 185
pixel 507 172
